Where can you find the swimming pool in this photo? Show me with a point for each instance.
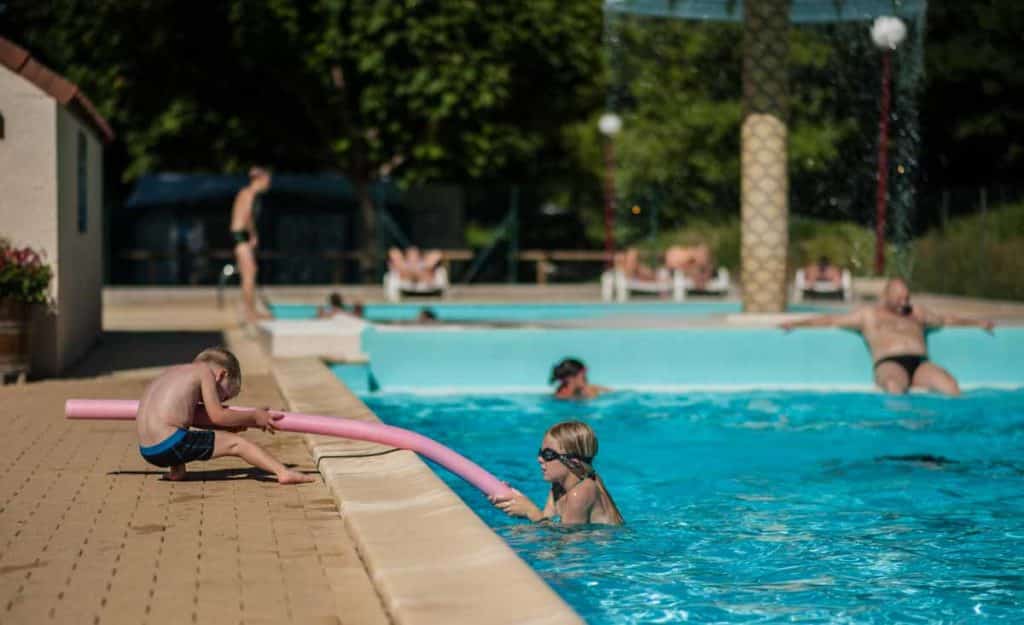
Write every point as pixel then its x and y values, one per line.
pixel 526 313
pixel 766 507
pixel 506 360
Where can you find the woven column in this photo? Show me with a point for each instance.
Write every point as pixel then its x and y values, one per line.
pixel 765 184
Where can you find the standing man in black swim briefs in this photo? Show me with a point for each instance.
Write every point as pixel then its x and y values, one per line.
pixel 243 233
pixel 894 331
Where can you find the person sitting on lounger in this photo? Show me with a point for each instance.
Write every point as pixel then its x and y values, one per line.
pixel 894 331
pixel 824 272
pixel 571 375
pixel 413 265
pixel 628 263
pixel 694 261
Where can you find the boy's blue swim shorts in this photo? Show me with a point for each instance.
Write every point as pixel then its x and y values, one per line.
pixel 181 447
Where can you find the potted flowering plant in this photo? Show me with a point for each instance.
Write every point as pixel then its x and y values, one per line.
pixel 24 282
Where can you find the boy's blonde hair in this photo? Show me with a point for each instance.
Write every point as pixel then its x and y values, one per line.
pixel 223 358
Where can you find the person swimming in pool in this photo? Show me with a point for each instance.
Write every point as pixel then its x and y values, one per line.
pixel 578 495
pixel 894 331
pixel 571 375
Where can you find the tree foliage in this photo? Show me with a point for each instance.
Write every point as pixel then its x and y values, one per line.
pixel 452 90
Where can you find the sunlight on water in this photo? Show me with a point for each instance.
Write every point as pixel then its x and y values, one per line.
pixel 766 507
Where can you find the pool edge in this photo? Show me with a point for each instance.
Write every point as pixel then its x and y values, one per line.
pixel 431 559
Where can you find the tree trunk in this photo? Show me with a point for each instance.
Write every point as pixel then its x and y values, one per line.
pixel 368 230
pixel 765 184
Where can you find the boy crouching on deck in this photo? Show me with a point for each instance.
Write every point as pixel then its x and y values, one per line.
pixel 167 410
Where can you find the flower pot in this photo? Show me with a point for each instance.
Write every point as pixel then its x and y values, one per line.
pixel 14 336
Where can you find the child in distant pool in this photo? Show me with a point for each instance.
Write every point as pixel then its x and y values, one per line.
pixel 571 375
pixel 168 409
pixel 578 495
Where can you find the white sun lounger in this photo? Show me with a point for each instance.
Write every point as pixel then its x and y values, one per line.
pixel 718 285
pixel 616 286
pixel 395 287
pixel 801 288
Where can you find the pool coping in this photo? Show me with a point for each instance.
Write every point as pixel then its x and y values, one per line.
pixel 431 559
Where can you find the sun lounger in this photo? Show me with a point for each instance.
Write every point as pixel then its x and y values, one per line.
pixel 718 285
pixel 802 289
pixel 395 287
pixel 615 285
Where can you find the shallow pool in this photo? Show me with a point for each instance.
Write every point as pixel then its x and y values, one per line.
pixel 766 507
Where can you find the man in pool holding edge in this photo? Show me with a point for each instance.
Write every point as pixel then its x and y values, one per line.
pixel 894 331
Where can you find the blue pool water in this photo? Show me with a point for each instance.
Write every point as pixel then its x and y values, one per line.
pixel 766 507
pixel 524 313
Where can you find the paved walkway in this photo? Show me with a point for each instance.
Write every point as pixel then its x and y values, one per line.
pixel 89 533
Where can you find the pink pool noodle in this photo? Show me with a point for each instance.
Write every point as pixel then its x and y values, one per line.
pixel 125 409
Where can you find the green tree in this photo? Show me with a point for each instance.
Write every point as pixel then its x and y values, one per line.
pixel 416 90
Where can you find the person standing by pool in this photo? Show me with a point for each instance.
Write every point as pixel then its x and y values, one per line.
pixel 894 331
pixel 244 235
pixel 571 375
pixel 578 495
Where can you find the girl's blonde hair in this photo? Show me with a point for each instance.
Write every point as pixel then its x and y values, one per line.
pixel 578 440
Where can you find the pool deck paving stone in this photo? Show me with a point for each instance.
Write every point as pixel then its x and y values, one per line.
pixel 89 533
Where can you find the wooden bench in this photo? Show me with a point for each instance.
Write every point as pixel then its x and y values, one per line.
pixel 543 257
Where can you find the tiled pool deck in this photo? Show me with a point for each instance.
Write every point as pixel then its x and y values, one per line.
pixel 90 534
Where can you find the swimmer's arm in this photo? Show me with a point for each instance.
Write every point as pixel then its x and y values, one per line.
pixel 519 505
pixel 852 321
pixel 549 507
pixel 935 320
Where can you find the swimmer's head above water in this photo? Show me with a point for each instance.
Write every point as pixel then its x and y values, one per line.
pixel 567 448
pixel 571 376
pixel 569 370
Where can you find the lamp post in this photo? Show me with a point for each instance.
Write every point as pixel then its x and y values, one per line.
pixel 610 124
pixel 888 33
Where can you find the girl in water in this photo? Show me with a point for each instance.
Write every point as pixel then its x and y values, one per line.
pixel 578 494
pixel 571 376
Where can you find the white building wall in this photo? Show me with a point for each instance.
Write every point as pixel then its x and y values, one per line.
pixel 80 267
pixel 28 189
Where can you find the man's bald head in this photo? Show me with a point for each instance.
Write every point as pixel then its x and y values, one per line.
pixel 896 294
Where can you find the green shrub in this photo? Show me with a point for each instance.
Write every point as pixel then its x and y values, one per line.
pixel 23 274
pixel 978 256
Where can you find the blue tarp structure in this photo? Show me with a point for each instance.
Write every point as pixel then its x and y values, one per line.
pixel 173 188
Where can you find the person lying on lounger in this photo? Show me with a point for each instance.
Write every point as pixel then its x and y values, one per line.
pixel 413 265
pixel 629 264
pixel 694 261
pixel 894 331
pixel 824 272
pixel 571 375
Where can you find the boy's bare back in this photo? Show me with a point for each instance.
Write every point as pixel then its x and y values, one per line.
pixel 169 402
